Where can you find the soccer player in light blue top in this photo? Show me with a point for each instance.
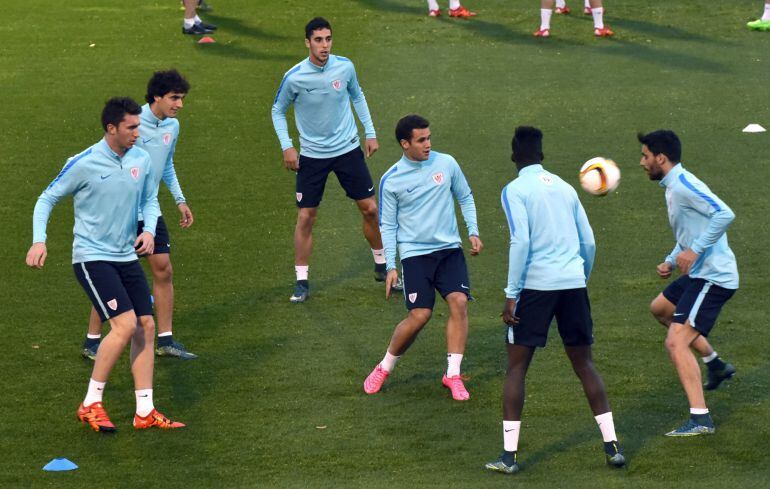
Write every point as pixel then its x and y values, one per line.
pixel 321 88
pixel 550 259
pixel 110 182
pixel 689 306
pixel 418 221
pixel 159 133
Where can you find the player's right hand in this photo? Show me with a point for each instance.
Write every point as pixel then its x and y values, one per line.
pixel 664 270
pixel 290 159
pixel 36 255
pixel 390 281
pixel 509 310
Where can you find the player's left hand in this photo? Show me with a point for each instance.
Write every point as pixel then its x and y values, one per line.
pixel 371 146
pixel 508 313
pixel 476 245
pixel 187 218
pixel 685 259
pixel 145 244
pixel 390 281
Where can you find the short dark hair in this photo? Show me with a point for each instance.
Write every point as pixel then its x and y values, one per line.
pixel 316 24
pixel 163 82
pixel 407 124
pixel 115 110
pixel 663 141
pixel 527 145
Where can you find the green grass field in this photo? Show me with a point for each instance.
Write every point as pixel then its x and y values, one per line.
pixel 275 399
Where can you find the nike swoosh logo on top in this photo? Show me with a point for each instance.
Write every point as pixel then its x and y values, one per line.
pixel 310 90
pixel 104 177
pixel 145 141
pixel 409 190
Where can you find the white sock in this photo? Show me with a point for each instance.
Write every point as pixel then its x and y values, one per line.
pixel 699 411
pixel 454 4
pixel 432 5
pixel 188 23
pixel 302 271
pixel 197 19
pixel 93 336
pixel 545 18
pixel 389 362
pixel 167 333
pixel 708 358
pixel 453 361
pixel 95 391
pixel 766 15
pixel 511 430
pixel 598 14
pixel 561 3
pixel 607 426
pixel 144 404
pixel 587 4
pixel 379 256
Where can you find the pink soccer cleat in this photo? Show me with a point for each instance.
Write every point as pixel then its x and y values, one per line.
pixel 455 384
pixel 374 381
pixel 434 13
pixel 542 33
pixel 562 10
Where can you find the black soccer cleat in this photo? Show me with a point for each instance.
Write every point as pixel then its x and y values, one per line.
pixel 613 454
pixel 208 26
pixel 716 377
pixel 196 30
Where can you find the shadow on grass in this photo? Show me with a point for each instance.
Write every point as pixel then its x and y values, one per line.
pixel 236 51
pixel 237 26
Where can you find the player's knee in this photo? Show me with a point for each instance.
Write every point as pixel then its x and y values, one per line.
pixel 306 218
pixel 147 323
pixel 163 272
pixel 458 302
pixel 370 212
pixel 421 315
pixel 123 325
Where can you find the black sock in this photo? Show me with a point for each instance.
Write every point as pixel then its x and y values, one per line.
pixel 509 458
pixel 165 340
pixel 379 267
pixel 716 364
pixel 91 342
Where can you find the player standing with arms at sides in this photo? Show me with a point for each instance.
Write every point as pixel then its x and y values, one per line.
pixel 455 10
pixel 418 221
pixel 109 183
pixel 322 88
pixel 550 259
pixel 597 11
pixel 689 306
pixel 159 133
pixel 762 23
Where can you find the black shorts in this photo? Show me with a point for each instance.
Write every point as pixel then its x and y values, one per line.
pixel 115 287
pixel 442 270
pixel 698 301
pixel 351 171
pixel 537 308
pixel 162 240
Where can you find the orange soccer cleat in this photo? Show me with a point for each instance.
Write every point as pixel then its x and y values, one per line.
pixel 434 13
pixel 96 416
pixel 461 12
pixel 542 33
pixel 562 10
pixel 155 419
pixel 603 32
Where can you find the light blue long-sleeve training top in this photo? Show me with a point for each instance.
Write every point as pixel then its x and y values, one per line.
pixel 417 209
pixel 108 192
pixel 552 244
pixel 158 137
pixel 700 220
pixel 321 98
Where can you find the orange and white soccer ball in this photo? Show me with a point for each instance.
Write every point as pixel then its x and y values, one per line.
pixel 599 176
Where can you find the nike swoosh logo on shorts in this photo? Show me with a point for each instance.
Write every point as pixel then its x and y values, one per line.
pixel 370 189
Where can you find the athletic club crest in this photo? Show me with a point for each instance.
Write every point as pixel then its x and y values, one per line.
pixel 135 173
pixel 546 179
pixel 438 178
pixel 113 304
pixel 413 297
pixel 167 138
pixel 337 84
pixel 299 196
